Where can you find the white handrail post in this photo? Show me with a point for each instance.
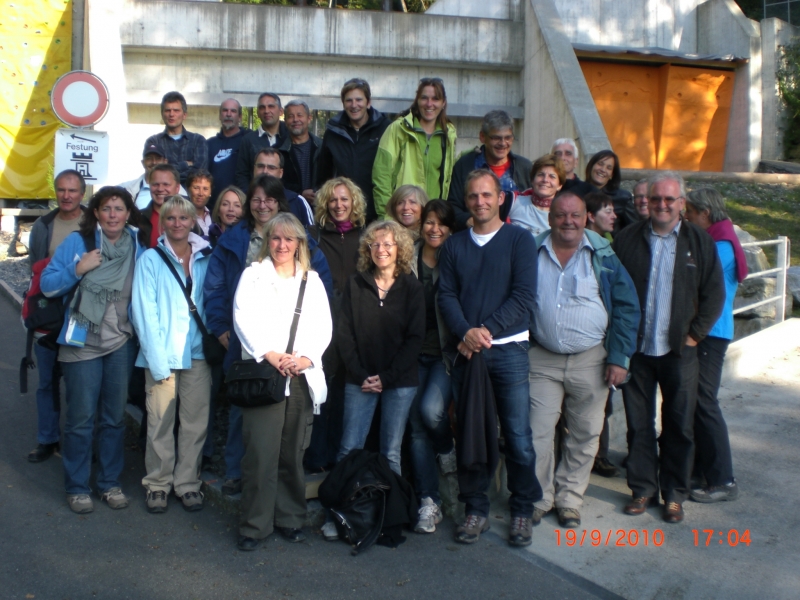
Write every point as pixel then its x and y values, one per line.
pixel 780 284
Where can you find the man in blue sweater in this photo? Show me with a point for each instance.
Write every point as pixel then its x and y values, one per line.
pixel 487 287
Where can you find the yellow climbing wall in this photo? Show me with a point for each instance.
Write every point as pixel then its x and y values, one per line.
pixel 35 50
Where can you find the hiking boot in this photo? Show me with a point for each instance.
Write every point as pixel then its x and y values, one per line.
pixel 605 468
pixel 521 529
pixel 157 501
pixel 430 515
pixel 716 493
pixel 447 462
pixel 569 517
pixel 114 498
pixel 471 529
pixel 538 513
pixel 42 452
pixel 231 487
pixel 80 503
pixel 192 501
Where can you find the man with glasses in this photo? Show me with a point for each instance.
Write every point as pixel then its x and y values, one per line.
pixel 269 161
pixel 513 171
pixel 272 133
pixel 351 141
pixel 678 279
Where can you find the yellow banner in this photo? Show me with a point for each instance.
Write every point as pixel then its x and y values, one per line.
pixel 36 49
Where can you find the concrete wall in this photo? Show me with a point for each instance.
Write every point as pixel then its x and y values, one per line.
pixel 551 75
pixel 491 9
pixel 774 34
pixel 726 30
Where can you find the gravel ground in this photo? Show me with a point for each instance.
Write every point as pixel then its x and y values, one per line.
pixel 14 270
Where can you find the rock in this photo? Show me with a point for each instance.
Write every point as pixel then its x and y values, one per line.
pixel 756 259
pixel 755 290
pixel 793 283
pixel 744 327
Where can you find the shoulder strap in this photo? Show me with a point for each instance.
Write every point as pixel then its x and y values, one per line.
pixel 443 166
pixel 297 311
pixel 192 307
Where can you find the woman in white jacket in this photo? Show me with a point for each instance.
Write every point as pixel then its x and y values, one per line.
pixel 276 436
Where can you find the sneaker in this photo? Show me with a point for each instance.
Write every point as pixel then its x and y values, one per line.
pixel 42 452
pixel 114 498
pixel 80 503
pixel 231 487
pixel 447 462
pixel 329 531
pixel 569 518
pixel 430 515
pixel 471 529
pixel 716 493
pixel 520 534
pixel 538 513
pixel 157 501
pixel 605 468
pixel 192 501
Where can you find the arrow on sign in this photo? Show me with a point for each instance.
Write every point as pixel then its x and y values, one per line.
pixel 77 137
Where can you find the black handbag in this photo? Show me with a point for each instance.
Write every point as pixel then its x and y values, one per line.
pixel 251 384
pixel 213 350
pixel 359 519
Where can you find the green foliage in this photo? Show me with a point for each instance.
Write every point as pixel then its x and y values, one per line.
pixel 752 9
pixel 788 76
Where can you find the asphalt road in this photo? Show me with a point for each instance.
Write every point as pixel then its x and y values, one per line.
pixel 50 553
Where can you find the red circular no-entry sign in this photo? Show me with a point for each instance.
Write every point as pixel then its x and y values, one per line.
pixel 79 98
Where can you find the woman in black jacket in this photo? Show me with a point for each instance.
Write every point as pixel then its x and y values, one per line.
pixel 603 172
pixel 379 336
pixel 340 212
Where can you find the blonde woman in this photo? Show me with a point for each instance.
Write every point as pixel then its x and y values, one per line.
pixel 379 335
pixel 405 206
pixel 276 436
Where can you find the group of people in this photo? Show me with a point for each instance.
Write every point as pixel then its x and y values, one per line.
pixel 422 286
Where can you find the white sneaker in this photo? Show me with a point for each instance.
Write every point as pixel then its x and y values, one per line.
pixel 329 531
pixel 115 498
pixel 447 462
pixel 430 515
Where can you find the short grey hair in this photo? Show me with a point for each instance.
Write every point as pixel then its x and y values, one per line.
pixel 298 103
pixel 711 200
pixel 666 176
pixel 569 141
pixel 496 119
pixel 238 104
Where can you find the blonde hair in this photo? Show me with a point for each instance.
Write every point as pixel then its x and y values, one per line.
pixel 359 215
pixel 403 239
pixel 403 192
pixel 179 204
pixel 291 226
pixel 239 194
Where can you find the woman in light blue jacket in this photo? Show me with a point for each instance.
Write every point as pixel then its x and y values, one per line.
pixel 172 355
pixel 93 271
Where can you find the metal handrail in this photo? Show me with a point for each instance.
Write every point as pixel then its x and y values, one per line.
pixel 783 261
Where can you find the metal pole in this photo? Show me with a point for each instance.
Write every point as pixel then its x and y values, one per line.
pixel 78 12
pixel 780 284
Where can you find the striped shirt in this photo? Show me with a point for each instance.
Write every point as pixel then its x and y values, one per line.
pixel 569 314
pixel 659 292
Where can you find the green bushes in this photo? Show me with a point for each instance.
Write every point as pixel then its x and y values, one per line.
pixel 788 76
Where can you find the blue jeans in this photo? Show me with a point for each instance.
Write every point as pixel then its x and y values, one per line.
pixel 359 407
pixel 98 385
pixel 508 369
pixel 49 381
pixel 234 447
pixel 430 425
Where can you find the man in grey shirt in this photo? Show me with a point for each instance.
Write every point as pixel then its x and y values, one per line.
pixel 585 319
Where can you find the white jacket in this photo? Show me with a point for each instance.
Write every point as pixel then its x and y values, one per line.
pixel 263 309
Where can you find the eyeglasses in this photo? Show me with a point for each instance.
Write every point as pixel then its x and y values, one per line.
pixel 501 138
pixel 430 80
pixel 264 201
pixel 637 197
pixel 385 245
pixel 669 200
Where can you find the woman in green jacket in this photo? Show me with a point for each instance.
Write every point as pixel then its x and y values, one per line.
pixel 418 148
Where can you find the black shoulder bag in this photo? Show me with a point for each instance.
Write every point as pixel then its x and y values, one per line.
pixel 213 349
pixel 251 384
